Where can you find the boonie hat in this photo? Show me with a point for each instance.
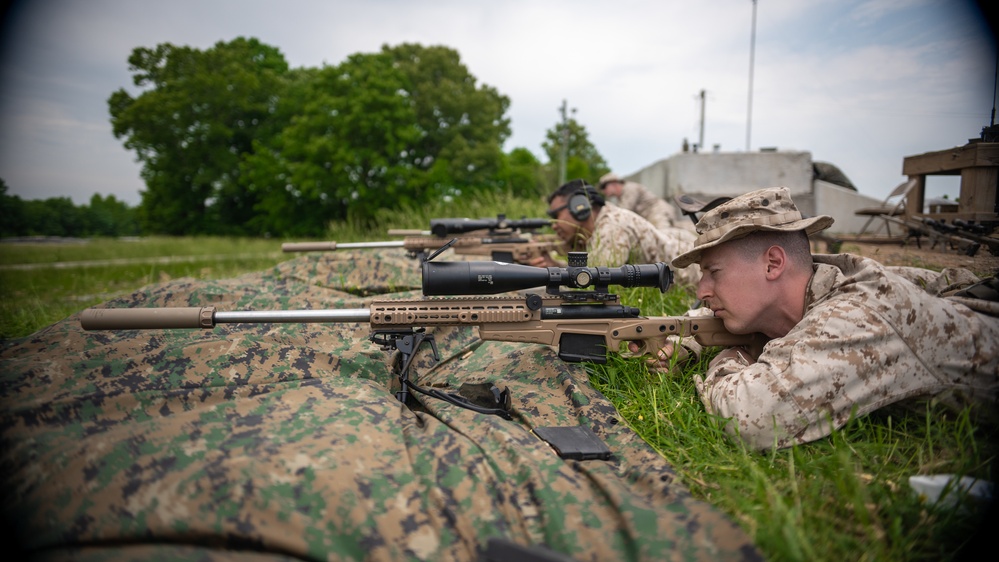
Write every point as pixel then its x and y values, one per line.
pixel 609 178
pixel 764 209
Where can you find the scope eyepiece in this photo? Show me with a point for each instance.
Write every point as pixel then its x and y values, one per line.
pixel 492 277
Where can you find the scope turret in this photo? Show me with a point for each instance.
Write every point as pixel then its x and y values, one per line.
pixel 491 277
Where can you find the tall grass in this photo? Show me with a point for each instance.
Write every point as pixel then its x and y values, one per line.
pixel 846 497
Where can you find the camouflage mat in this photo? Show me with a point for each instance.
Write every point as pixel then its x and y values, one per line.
pixel 357 272
pixel 286 441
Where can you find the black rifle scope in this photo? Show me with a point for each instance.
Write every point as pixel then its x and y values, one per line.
pixel 492 277
pixel 443 227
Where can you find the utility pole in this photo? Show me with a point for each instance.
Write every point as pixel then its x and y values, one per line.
pixel 700 138
pixel 564 149
pixel 752 56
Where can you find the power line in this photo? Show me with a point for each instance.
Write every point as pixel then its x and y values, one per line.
pixel 752 56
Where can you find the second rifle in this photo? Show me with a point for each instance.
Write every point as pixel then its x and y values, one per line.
pixel 500 239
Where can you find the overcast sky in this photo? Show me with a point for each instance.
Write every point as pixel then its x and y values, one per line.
pixel 859 83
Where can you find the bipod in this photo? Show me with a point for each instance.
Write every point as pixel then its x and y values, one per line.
pixel 408 342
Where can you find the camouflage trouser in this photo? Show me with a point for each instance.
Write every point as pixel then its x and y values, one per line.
pixel 287 441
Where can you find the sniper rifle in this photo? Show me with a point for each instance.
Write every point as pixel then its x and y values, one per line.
pixel 584 324
pixel 501 239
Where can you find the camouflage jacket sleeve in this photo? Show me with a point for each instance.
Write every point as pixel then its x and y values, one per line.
pixel 616 240
pixel 867 340
pixel 638 199
pixel 630 197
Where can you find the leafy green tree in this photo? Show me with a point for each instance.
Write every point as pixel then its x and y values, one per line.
pixel 107 216
pixel 462 125
pixel 193 125
pixel 232 141
pixel 58 216
pixel 380 130
pixel 344 155
pixel 12 210
pixel 583 160
pixel 55 216
pixel 523 175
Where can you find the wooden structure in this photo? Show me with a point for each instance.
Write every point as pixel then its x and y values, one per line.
pixel 978 165
pixel 966 226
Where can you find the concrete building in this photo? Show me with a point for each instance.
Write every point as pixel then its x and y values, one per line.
pixel 707 175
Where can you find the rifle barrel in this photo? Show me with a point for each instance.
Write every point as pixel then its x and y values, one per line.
pixel 329 246
pixel 345 315
pixel 207 317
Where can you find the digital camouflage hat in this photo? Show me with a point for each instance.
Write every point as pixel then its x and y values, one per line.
pixel 764 209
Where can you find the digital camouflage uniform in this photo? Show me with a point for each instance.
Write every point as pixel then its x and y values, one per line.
pixel 637 198
pixel 620 236
pixel 286 441
pixel 868 339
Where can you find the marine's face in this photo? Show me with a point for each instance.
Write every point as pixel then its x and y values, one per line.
pixel 613 189
pixel 567 228
pixel 734 287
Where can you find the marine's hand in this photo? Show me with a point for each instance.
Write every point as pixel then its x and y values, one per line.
pixel 663 361
pixel 544 260
pixel 739 353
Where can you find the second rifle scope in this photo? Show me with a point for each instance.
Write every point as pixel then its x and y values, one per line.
pixel 443 227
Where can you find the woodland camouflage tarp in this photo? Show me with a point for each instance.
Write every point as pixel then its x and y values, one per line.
pixel 285 441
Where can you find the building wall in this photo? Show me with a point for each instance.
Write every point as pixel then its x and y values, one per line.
pixel 710 175
pixel 840 203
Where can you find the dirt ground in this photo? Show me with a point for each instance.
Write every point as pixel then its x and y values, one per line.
pixel 983 263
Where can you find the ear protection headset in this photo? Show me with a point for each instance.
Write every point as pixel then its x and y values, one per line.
pixel 581 202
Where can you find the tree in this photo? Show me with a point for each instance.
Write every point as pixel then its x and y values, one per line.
pixel 194 125
pixel 12 211
pixel 380 130
pixel 231 141
pixel 582 158
pixel 107 216
pixel 462 126
pixel 345 154
pixel 55 216
pixel 523 174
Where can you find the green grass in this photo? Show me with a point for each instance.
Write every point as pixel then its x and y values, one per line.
pixel 846 497
pixel 44 292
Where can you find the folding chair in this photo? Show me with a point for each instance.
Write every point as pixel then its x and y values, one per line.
pixel 887 208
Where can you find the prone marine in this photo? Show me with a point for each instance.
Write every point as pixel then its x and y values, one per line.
pixel 611 235
pixel 845 335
